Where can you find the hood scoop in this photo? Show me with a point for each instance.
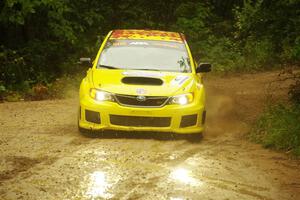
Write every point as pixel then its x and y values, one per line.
pixel 136 80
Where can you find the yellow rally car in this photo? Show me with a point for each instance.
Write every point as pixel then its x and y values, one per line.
pixel 143 80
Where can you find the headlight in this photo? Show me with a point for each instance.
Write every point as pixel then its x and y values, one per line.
pixel 182 99
pixel 101 95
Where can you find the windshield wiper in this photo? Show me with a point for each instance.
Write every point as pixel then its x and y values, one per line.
pixel 107 67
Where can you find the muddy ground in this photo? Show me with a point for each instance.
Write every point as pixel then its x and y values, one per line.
pixel 43 156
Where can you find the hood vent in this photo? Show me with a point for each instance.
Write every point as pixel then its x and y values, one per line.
pixel 135 80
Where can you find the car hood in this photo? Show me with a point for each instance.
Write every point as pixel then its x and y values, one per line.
pixel 137 82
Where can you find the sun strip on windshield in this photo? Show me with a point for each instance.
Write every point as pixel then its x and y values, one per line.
pixel 144 43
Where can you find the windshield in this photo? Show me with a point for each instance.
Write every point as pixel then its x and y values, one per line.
pixel 145 55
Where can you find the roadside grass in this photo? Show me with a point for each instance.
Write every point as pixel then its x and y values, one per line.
pixel 67 86
pixel 278 128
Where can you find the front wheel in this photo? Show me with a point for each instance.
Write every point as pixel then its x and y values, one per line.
pixel 195 138
pixel 82 130
pixel 88 133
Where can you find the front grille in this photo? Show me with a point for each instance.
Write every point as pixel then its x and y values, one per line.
pixel 140 121
pixel 92 116
pixel 188 120
pixel 145 101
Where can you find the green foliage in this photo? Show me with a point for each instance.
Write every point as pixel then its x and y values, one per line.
pixel 30 64
pixel 279 128
pixel 41 40
pixel 11 67
pixel 192 19
pixel 290 51
pixel 275 28
pixel 2 91
pixel 13 97
pixel 258 52
pixel 15 11
pixel 295 87
pixel 222 52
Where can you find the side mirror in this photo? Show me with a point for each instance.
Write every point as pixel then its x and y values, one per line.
pixel 203 67
pixel 85 61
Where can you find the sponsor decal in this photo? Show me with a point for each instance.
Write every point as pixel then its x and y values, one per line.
pixel 169 45
pixel 134 34
pixel 141 91
pixel 179 80
pixel 199 85
pixel 139 43
pixel 120 44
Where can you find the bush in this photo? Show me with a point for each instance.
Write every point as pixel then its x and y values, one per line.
pixel 228 55
pixel 295 88
pixel 269 31
pixel 279 128
pixel 222 52
pixel 37 62
pixel 41 40
pixel 11 67
pixel 258 52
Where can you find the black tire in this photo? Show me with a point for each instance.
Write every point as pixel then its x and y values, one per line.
pixel 195 138
pixel 86 132
pixel 82 130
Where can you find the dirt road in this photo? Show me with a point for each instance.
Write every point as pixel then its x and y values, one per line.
pixel 43 156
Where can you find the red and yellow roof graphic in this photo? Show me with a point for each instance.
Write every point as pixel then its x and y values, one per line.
pixel 147 35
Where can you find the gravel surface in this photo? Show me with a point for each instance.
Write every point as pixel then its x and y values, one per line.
pixel 43 156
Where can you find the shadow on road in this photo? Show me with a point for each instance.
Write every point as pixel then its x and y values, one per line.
pixel 163 136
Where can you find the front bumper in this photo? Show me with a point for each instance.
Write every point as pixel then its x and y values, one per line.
pixel 185 119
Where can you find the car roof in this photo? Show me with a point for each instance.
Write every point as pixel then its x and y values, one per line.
pixel 134 34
